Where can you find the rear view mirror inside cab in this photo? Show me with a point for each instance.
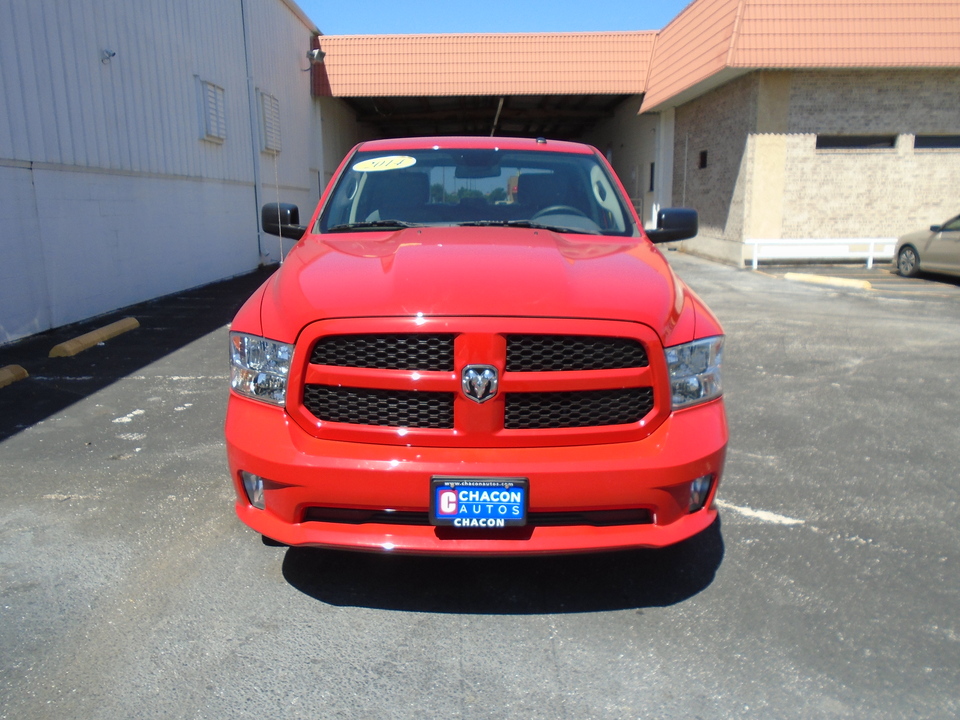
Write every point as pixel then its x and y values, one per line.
pixel 477 164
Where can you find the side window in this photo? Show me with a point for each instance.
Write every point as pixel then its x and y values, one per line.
pixel 953 225
pixel 343 204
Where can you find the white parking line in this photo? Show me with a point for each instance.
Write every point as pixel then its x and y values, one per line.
pixel 130 417
pixel 761 515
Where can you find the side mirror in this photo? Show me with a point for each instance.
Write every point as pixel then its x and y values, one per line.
pixel 936 228
pixel 282 219
pixel 675 224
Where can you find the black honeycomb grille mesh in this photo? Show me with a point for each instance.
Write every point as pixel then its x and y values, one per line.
pixel 398 351
pixel 553 353
pixel 585 408
pixel 386 408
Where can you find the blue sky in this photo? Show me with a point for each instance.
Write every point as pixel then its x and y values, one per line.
pixel 390 17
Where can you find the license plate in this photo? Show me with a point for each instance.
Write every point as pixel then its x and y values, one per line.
pixel 472 502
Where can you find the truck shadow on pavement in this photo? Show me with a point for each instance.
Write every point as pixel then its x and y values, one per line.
pixel 509 586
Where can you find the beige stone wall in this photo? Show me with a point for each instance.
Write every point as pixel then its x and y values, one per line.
pixel 765 179
pixel 870 193
pixel 875 101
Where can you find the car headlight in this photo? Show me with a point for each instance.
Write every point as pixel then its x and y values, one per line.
pixel 695 371
pixel 259 367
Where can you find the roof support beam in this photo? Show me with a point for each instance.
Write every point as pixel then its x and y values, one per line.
pixel 496 119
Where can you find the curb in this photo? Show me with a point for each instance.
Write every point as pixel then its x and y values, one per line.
pixel 94 337
pixel 826 280
pixel 12 373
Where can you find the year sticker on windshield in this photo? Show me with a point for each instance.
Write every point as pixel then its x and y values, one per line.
pixel 391 162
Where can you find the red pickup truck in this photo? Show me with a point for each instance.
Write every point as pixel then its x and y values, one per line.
pixel 475 348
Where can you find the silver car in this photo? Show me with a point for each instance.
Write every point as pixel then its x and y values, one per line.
pixel 935 250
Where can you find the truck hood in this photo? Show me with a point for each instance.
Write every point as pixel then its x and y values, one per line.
pixel 471 271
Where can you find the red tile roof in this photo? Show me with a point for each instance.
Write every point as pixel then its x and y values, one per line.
pixel 876 33
pixel 708 43
pixel 695 46
pixel 488 64
pixel 713 40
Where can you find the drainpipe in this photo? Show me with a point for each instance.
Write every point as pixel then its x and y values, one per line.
pixel 254 124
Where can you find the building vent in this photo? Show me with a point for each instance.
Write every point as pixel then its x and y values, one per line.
pixel 214 111
pixel 270 122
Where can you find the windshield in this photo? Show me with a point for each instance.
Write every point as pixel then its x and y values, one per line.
pixel 566 192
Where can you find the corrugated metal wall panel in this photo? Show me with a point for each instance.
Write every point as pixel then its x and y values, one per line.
pixel 138 111
pixel 8 83
pixel 279 45
pixel 114 195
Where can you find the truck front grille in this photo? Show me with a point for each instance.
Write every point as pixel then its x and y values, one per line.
pixel 523 411
pixel 555 386
pixel 525 353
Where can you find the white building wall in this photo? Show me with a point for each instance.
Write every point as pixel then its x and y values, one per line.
pixel 278 59
pixel 110 193
pixel 24 297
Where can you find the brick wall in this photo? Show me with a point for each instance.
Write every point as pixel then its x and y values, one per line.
pixel 871 193
pixel 720 124
pixel 875 101
pixel 826 193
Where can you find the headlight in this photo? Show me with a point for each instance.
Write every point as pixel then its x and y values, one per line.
pixel 259 367
pixel 695 371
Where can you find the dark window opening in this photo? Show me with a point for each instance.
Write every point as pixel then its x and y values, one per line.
pixel 856 142
pixel 926 142
pixel 653 167
pixel 703 159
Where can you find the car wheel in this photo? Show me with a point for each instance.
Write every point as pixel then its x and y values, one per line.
pixel 908 264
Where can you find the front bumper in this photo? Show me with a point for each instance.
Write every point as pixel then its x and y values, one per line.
pixel 304 472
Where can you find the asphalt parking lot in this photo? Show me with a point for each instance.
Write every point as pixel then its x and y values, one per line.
pixel 829 587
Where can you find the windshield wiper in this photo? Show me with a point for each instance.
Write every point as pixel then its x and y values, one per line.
pixel 373 225
pixel 524 224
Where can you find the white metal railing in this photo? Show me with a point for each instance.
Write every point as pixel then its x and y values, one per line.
pixel 868 249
